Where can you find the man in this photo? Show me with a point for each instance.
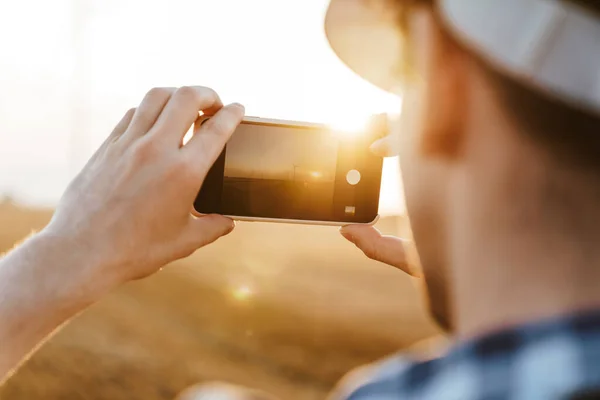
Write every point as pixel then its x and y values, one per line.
pixel 500 160
pixel 499 141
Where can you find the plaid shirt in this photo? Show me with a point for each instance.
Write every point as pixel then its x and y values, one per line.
pixel 557 359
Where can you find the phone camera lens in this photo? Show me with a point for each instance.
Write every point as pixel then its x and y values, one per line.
pixel 353 177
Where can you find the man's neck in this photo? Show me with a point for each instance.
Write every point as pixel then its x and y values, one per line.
pixel 501 286
pixel 525 240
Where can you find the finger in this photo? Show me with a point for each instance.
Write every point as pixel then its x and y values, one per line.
pixel 206 229
pixel 210 138
pixel 182 111
pixel 148 112
pixel 122 125
pixel 115 134
pixel 386 147
pixel 386 249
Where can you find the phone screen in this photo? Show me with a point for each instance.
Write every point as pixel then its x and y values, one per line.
pixel 293 172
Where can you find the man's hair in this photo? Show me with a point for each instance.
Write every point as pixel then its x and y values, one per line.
pixel 569 134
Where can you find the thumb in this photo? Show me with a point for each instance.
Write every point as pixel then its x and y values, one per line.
pixel 386 249
pixel 386 147
pixel 208 228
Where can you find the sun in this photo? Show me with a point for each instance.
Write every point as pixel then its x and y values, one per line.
pixel 349 125
pixel 316 174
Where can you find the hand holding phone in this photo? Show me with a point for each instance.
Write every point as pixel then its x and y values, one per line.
pixel 287 171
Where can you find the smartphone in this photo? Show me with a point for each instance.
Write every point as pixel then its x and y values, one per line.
pixel 295 172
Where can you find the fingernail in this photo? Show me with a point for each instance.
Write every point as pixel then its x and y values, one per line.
pixel 231 227
pixel 238 105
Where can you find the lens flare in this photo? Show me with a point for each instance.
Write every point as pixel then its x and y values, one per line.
pixel 349 125
pixel 242 293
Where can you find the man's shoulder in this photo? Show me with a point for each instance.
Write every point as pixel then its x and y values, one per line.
pixel 387 375
pixel 547 359
pixel 355 382
pixel 401 377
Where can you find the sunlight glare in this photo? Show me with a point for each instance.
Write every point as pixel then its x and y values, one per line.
pixel 316 174
pixel 242 293
pixel 188 135
pixel 297 77
pixel 349 125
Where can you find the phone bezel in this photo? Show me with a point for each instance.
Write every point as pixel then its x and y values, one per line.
pixel 294 221
pixel 287 123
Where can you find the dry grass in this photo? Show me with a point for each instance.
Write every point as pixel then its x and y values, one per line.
pixel 317 308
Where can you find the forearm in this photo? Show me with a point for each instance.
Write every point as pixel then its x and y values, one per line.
pixel 124 216
pixel 43 283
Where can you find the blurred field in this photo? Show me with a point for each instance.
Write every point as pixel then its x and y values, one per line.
pixel 288 309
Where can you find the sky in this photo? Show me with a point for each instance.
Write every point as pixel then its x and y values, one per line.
pixel 69 71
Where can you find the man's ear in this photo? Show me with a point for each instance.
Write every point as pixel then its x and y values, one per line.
pixel 442 67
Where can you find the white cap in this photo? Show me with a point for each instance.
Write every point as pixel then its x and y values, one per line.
pixel 550 45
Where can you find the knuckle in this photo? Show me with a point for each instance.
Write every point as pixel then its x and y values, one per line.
pixel 217 125
pixel 182 168
pixel 371 252
pixel 145 120
pixel 158 93
pixel 207 93
pixel 224 124
pixel 189 94
pixel 146 150
pixel 196 94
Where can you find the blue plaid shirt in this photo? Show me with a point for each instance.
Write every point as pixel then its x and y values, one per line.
pixel 558 359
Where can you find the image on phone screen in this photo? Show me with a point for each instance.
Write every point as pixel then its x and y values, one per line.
pixel 293 172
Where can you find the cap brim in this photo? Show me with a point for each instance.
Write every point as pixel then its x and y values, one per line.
pixel 550 46
pixel 366 38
